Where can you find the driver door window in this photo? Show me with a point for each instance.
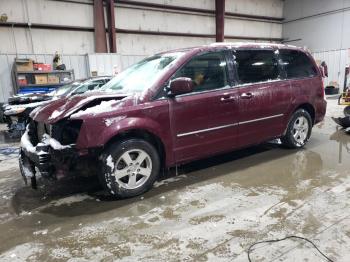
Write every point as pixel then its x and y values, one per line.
pixel 207 71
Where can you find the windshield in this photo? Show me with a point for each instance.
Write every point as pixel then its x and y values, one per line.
pixel 88 86
pixel 142 75
pixel 66 88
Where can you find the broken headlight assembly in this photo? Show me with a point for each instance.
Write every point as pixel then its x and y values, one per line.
pixel 66 132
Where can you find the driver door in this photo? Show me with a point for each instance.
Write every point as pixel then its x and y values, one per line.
pixel 204 121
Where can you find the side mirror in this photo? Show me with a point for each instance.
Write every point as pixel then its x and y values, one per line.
pixel 181 85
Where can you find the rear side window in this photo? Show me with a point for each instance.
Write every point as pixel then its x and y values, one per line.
pixel 255 66
pixel 297 64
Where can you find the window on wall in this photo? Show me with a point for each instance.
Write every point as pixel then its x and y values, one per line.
pixel 297 64
pixel 255 66
pixel 207 71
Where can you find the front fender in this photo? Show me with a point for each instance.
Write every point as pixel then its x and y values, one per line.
pixel 134 123
pixel 99 132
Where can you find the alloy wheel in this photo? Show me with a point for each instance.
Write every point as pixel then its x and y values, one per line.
pixel 300 130
pixel 133 169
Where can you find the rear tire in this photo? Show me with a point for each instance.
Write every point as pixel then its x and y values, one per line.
pixel 129 167
pixel 298 130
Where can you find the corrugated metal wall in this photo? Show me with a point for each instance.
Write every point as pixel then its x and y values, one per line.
pixel 104 63
pixel 81 64
pixel 336 61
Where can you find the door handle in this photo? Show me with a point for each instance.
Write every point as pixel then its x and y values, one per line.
pixel 227 98
pixel 247 95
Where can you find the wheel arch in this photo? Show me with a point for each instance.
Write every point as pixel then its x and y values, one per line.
pixel 145 135
pixel 308 108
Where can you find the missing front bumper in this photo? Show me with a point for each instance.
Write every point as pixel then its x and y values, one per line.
pixel 55 161
pixel 47 157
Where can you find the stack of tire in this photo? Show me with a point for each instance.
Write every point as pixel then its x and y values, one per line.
pixel 331 90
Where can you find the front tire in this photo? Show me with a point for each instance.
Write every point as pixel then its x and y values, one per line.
pixel 129 168
pixel 298 130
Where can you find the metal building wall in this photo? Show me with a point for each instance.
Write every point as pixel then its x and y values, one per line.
pixel 317 25
pixel 48 12
pixel 322 27
pixel 104 63
pixel 141 29
pixel 198 26
pixel 251 27
pixel 336 61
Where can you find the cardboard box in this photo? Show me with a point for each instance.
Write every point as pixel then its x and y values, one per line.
pixel 42 67
pixel 40 79
pixel 24 64
pixel 53 79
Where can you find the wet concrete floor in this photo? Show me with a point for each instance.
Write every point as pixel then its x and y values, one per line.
pixel 210 210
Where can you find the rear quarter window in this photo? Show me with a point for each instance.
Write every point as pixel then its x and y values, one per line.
pixel 297 64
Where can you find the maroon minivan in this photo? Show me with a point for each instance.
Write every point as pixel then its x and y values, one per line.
pixel 175 107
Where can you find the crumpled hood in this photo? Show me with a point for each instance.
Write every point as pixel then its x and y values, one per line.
pixel 65 107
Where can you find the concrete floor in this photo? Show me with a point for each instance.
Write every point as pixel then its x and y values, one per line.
pixel 213 210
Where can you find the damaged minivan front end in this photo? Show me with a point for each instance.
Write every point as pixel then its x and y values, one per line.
pixel 50 145
pixel 120 133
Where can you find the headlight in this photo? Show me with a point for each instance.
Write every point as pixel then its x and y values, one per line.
pixel 14 111
pixel 69 132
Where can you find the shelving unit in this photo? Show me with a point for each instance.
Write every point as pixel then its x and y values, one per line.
pixel 30 78
pixel 31 85
pixel 44 72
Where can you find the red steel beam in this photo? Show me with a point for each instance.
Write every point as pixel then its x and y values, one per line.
pixel 220 20
pixel 99 27
pixel 112 38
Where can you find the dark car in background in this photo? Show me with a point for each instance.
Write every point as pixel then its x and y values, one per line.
pixel 18 108
pixel 173 108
